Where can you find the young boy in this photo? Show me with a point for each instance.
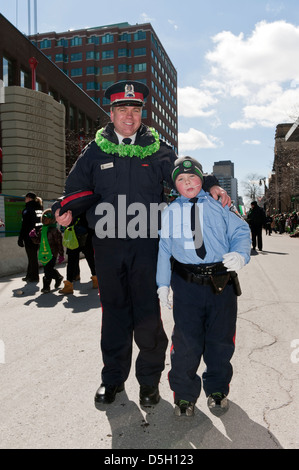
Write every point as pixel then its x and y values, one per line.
pixel 50 240
pixel 198 257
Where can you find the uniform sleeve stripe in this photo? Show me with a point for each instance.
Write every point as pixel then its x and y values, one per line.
pixel 68 199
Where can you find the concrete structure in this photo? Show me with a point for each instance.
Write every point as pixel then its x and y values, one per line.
pixel 33 142
pixel 94 58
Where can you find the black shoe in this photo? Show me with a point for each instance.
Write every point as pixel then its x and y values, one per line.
pixel 58 281
pixel 106 393
pixel 148 395
pixel 30 279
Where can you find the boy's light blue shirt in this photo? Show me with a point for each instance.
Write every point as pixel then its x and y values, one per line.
pixel 223 232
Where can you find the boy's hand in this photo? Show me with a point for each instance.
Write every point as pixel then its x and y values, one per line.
pixel 217 192
pixel 163 294
pixel 233 261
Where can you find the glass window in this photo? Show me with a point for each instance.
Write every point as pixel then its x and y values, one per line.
pixel 125 37
pixel 124 68
pixel 76 41
pixel 76 72
pixel 139 51
pixel 92 55
pixel 25 79
pixel 63 42
pixel 92 86
pixel 107 70
pixel 106 85
pixel 140 67
pixel 108 54
pixel 93 40
pixel 107 39
pixel 92 70
pixel 139 35
pixel 45 44
pixel 76 57
pixel 7 72
pixel 124 52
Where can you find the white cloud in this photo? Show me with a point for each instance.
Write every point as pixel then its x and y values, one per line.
pixel 192 102
pixel 252 142
pixel 195 139
pixel 173 23
pixel 268 55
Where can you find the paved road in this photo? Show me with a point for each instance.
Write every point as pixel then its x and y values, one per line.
pixel 50 368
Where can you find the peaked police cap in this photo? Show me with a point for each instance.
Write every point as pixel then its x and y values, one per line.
pixel 127 93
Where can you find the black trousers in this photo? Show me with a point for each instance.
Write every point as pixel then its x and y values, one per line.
pixel 205 326
pixel 256 237
pixel 73 268
pixel 33 267
pixel 126 271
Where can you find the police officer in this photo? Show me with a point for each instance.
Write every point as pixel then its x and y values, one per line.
pixel 125 164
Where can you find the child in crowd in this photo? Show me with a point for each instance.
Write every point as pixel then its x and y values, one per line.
pixel 50 239
pixel 202 244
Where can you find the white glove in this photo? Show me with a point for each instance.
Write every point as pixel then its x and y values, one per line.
pixel 163 294
pixel 233 261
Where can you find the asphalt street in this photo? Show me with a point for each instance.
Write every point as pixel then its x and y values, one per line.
pixel 50 368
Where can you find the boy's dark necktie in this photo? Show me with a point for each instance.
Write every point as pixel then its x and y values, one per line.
pixel 196 229
pixel 127 141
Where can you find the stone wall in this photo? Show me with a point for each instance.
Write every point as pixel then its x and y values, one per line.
pixel 33 143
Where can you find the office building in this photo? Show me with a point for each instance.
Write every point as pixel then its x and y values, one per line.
pixel 225 173
pixel 94 58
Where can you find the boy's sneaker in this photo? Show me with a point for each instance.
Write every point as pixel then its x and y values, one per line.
pixel 218 403
pixel 184 407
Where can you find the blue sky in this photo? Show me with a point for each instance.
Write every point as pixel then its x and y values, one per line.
pixel 237 64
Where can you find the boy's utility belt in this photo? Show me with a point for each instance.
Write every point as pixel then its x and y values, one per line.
pixel 214 275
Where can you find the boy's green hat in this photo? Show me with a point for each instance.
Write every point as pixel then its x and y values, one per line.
pixel 186 165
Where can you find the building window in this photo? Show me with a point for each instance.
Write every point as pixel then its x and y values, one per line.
pixel 76 72
pixel 106 101
pixel 92 55
pixel 106 85
pixel 140 51
pixel 46 43
pixel 92 86
pixel 139 35
pixel 125 68
pixel 61 58
pixel 107 39
pixel 108 69
pixel 7 72
pixel 124 52
pixel 76 57
pixel 25 79
pixel 92 70
pixel 76 41
pixel 108 54
pixel 140 67
pixel 63 42
pixel 93 40
pixel 125 37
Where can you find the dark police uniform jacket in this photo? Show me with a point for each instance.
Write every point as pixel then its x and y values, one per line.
pixel 100 177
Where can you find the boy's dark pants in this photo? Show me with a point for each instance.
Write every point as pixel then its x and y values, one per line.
pixel 205 326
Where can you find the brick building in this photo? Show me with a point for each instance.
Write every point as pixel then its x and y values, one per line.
pixel 95 58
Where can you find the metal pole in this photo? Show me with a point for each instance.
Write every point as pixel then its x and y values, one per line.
pixel 29 19
pixel 35 16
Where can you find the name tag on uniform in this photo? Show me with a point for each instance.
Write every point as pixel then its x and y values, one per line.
pixel 107 165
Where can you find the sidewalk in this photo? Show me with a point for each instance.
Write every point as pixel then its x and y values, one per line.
pixel 52 368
